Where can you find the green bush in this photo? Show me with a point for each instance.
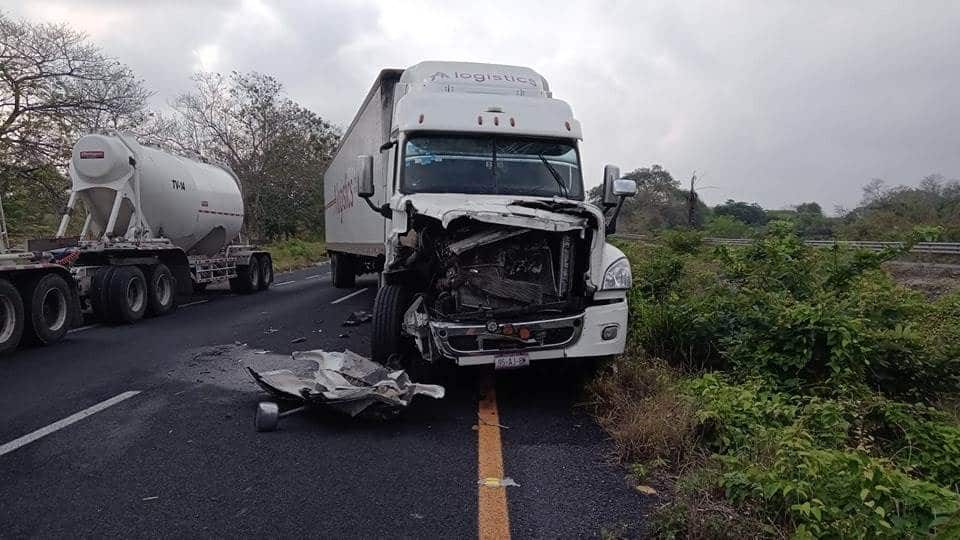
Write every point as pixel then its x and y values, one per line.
pixel 822 376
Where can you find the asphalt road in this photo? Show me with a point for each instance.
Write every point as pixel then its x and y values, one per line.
pixel 181 457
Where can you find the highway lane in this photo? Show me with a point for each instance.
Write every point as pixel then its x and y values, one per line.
pixel 181 458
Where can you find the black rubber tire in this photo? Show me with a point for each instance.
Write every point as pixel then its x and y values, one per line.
pixel 248 278
pixel 199 288
pixel 98 292
pixel 266 272
pixel 123 307
pixel 386 340
pixel 47 309
pixel 11 317
pixel 342 271
pixel 161 290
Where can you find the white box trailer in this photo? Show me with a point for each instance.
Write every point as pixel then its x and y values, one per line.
pixel 461 183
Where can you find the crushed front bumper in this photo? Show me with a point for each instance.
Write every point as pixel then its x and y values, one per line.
pixel 580 335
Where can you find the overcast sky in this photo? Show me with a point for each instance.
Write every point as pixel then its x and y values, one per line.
pixel 774 102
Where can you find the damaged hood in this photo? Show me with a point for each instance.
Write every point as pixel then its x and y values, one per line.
pixel 541 213
pixel 558 215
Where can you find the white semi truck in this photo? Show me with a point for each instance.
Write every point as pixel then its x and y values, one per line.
pixel 157 225
pixel 462 184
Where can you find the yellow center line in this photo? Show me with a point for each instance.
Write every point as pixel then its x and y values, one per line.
pixel 492 517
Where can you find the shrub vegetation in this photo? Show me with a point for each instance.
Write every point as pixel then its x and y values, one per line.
pixel 798 388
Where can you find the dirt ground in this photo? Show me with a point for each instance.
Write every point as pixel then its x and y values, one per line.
pixel 932 279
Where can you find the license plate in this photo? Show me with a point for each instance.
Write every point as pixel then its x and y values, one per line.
pixel 511 361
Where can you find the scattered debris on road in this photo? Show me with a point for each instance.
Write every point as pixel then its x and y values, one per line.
pixel 357 318
pixel 344 336
pixel 298 340
pixel 270 330
pixel 344 381
pixel 646 490
pixel 497 482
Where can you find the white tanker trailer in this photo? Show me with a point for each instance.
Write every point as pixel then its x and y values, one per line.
pixel 157 225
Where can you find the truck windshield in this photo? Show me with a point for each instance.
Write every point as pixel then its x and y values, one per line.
pixel 491 165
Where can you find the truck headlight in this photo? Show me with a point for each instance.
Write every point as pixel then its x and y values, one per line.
pixel 618 275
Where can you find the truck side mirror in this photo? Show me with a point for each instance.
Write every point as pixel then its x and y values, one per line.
pixel 610 174
pixel 365 176
pixel 624 187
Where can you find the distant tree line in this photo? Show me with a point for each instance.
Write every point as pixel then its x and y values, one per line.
pixel 55 86
pixel 884 213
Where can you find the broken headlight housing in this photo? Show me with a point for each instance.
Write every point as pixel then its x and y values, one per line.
pixel 618 275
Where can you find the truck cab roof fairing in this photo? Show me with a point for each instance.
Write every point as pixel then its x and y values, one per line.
pixel 486 113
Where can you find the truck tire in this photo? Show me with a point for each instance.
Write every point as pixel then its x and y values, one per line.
pixel 47 308
pixel 161 290
pixel 127 295
pixel 266 272
pixel 248 278
pixel 11 317
pixel 342 271
pixel 199 288
pixel 99 287
pixel 385 340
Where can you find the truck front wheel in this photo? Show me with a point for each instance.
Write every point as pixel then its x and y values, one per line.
pixel 342 270
pixel 266 272
pixel 48 308
pixel 386 342
pixel 11 317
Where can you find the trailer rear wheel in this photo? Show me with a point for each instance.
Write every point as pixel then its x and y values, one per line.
pixel 99 289
pixel 48 308
pixel 161 297
pixel 248 278
pixel 127 294
pixel 342 271
pixel 11 317
pixel 266 272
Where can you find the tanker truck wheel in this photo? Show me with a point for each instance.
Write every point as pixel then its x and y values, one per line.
pixel 11 317
pixel 48 308
pixel 127 294
pixel 341 269
pixel 161 297
pixel 99 287
pixel 266 272
pixel 248 278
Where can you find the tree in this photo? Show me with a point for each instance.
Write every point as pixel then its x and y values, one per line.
pixel 810 208
pixel 276 147
pixel 54 85
pixel 749 213
pixel 658 204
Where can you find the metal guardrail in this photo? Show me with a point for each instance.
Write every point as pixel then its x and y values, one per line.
pixel 929 248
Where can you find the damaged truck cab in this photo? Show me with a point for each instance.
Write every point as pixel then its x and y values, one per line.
pixel 461 183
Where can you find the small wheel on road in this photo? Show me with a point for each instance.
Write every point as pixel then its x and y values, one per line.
pixel 248 278
pixel 48 308
pixel 11 317
pixel 266 272
pixel 161 292
pixel 342 271
pixel 127 294
pixel 99 287
pixel 267 416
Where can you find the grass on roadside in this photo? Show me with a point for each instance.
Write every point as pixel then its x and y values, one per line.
pixel 295 253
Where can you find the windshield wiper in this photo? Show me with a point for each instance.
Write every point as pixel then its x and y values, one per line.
pixel 555 175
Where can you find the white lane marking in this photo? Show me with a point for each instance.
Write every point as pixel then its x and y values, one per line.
pixel 82 328
pixel 315 276
pixel 282 283
pixel 349 296
pixel 60 424
pixel 188 304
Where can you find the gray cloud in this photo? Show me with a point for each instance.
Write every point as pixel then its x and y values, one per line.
pixel 776 102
